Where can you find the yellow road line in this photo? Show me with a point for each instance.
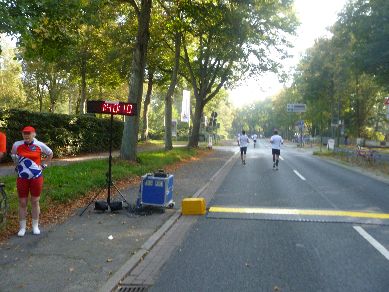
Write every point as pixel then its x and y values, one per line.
pixel 275 211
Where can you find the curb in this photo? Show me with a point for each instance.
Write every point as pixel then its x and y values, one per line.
pixel 113 282
pixel 134 260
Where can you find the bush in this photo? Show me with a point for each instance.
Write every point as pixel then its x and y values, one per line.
pixel 64 134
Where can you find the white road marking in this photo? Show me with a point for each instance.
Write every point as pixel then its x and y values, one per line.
pixel 281 158
pixel 298 174
pixel 378 246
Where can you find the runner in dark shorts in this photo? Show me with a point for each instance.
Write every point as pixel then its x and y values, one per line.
pixel 243 142
pixel 276 141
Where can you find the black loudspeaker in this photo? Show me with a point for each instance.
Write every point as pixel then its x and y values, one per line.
pixel 116 206
pixel 101 205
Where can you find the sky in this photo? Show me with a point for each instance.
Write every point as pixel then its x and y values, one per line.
pixel 315 17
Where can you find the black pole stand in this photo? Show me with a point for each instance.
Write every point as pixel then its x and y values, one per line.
pixel 109 180
pixel 101 205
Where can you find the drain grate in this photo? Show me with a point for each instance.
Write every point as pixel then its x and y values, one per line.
pixel 133 288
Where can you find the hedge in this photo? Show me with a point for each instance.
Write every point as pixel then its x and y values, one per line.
pixel 66 135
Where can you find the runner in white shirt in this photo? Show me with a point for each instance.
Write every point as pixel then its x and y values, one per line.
pixel 243 143
pixel 276 141
pixel 255 139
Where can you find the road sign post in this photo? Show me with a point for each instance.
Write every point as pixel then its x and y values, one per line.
pixel 387 107
pixel 298 108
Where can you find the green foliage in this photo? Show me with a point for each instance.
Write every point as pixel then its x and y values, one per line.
pixel 70 44
pixel 64 134
pixel 366 22
pixel 256 118
pixel 229 40
pixel 341 78
pixel 11 88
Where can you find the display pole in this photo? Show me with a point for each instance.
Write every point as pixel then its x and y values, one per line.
pixel 109 180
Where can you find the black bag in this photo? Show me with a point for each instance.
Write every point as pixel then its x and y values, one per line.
pixel 116 206
pixel 161 173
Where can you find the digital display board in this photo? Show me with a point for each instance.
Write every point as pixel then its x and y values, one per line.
pixel 111 107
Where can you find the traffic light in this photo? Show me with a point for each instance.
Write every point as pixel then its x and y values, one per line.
pixel 214 119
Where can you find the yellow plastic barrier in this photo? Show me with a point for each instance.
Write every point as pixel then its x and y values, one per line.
pixel 193 206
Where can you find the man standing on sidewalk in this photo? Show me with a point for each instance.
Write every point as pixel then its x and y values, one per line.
pixel 243 143
pixel 276 141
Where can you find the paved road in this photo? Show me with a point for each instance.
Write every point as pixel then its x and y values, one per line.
pixel 301 233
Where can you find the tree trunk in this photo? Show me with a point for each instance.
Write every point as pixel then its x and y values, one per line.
pixel 131 125
pixel 169 94
pixel 52 93
pixel 83 85
pixel 145 118
pixel 40 96
pixel 194 138
pixel 168 121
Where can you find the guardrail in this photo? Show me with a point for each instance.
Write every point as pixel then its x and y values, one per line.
pixel 359 154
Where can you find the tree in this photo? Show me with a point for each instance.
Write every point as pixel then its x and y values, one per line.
pixel 72 36
pixel 11 88
pixel 315 82
pixel 146 104
pixel 367 23
pixel 169 93
pixel 131 126
pixel 220 39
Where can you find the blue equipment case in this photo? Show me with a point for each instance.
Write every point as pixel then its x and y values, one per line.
pixel 156 191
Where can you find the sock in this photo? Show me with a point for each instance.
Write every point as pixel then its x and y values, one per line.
pixel 35 228
pixel 277 162
pixel 22 229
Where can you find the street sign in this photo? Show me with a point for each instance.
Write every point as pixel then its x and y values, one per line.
pixel 174 128
pixel 296 108
pixel 289 108
pixel 300 124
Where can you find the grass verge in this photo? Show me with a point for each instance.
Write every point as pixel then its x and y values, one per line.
pixel 72 186
pixel 377 167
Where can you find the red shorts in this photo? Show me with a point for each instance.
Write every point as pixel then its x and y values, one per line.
pixel 33 186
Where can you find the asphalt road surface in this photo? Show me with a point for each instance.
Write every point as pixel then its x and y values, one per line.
pixel 310 226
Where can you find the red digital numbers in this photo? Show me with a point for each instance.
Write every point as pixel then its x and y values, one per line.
pixel 111 107
pixel 127 109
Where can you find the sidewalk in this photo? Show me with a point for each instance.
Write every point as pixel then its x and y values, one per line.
pixel 9 168
pixel 78 254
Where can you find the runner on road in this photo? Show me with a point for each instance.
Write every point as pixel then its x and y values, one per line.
pixel 255 139
pixel 276 141
pixel 243 143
